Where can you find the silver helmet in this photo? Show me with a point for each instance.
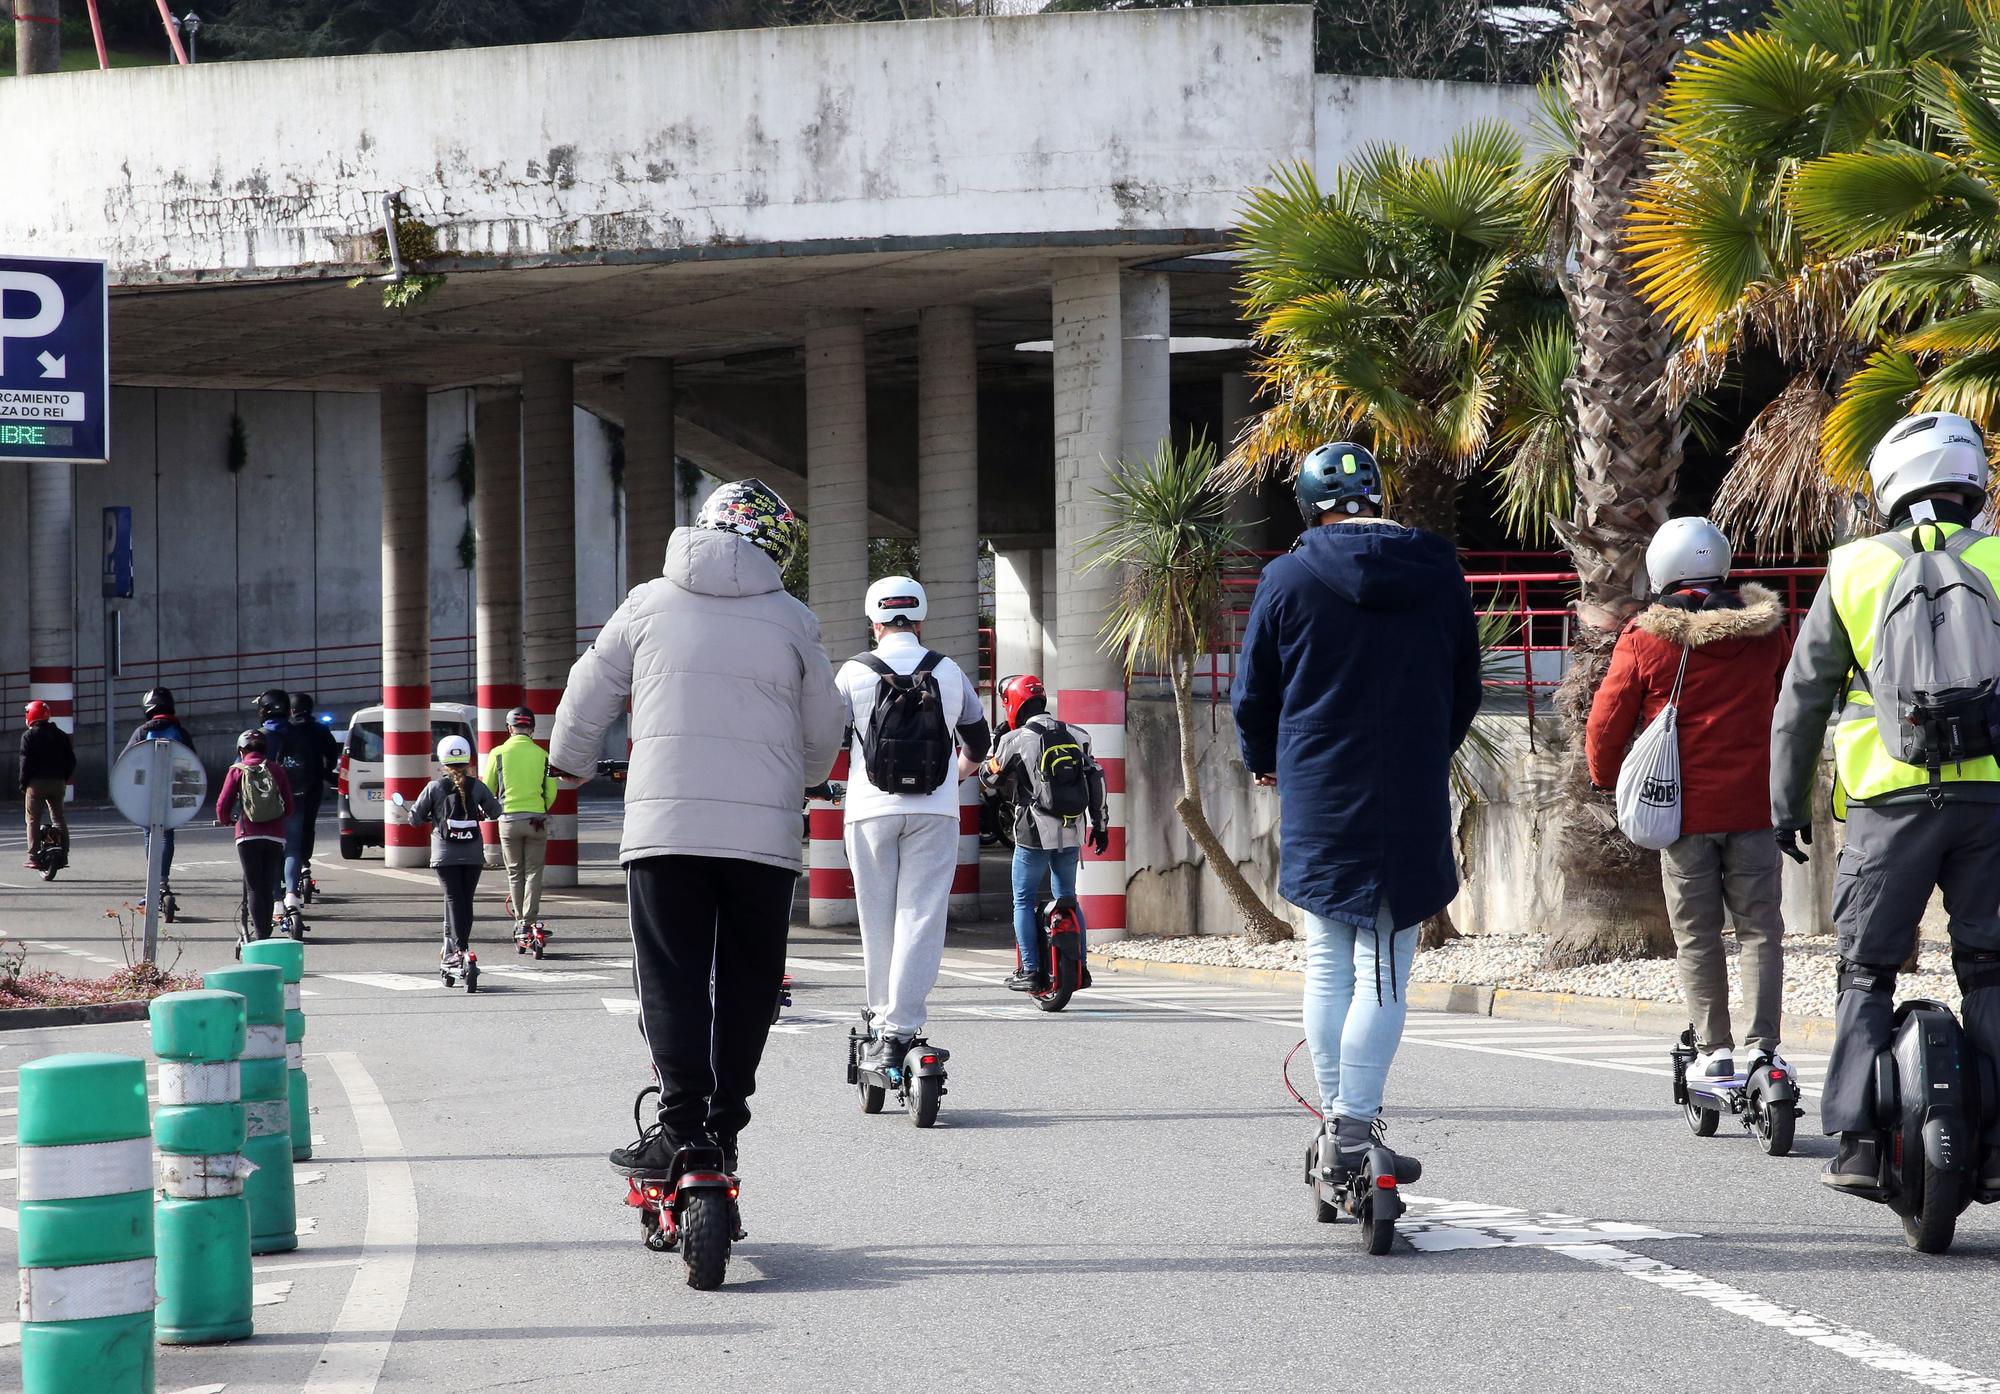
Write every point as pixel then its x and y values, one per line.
pixel 1934 450
pixel 1685 550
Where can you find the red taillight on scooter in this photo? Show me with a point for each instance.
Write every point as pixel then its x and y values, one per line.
pixel 1777 1074
pixel 732 1193
pixel 654 1193
pixel 930 1060
pixel 1385 1183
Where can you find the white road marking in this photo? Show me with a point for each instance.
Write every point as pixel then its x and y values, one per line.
pixel 539 975
pixel 381 1287
pixel 305 1224
pixel 314 1263
pixel 307 1177
pixel 10 1331
pixel 270 1294
pixel 395 982
pixel 9 1220
pixel 821 965
pixel 621 1006
pixel 202 1389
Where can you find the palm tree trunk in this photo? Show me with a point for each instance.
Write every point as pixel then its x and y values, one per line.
pixel 1426 496
pixel 1438 931
pixel 1628 453
pixel 1259 923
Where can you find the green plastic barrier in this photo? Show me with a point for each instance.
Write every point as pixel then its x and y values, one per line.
pixel 290 955
pixel 202 1218
pixel 86 1223
pixel 266 1104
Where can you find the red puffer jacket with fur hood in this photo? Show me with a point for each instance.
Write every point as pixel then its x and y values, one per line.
pixel 1739 650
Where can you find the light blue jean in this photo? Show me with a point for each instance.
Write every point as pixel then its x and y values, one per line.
pixel 1355 981
pixel 1030 865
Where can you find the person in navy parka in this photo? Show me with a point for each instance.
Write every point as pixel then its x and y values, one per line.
pixel 1358 680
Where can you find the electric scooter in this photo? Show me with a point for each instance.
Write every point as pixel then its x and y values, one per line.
pixel 1765 1101
pixel 468 969
pixel 1061 928
pixel 917 1080
pixel 784 999
pixel 692 1208
pixel 529 938
pixel 1370 1195
pixel 50 853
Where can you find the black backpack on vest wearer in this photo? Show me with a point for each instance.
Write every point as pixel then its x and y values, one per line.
pixel 1056 780
pixel 907 747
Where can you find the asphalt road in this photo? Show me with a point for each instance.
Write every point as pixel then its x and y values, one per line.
pixel 1112 1198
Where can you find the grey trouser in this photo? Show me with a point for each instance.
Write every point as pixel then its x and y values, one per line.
pixel 903 865
pixel 524 846
pixel 1893 858
pixel 1706 874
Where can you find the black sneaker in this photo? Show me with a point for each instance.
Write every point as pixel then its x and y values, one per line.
pixel 884 1051
pixel 1025 981
pixel 1858 1164
pixel 651 1155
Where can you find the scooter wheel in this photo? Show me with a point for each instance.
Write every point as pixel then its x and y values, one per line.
pixel 297 930
pixel 871 1097
pixel 1776 1123
pixel 926 1093
pixel 1054 1001
pixel 168 910
pixel 1701 1121
pixel 1378 1233
pixel 1930 1230
pixel 1322 1212
pixel 519 947
pixel 472 980
pixel 538 951
pixel 704 1230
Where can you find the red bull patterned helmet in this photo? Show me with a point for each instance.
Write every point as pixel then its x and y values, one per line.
pixel 751 508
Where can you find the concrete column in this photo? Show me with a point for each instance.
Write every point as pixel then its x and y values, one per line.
pixel 548 573
pixel 837 536
pixel 1090 433
pixel 406 616
pixel 52 589
pixel 948 480
pixel 37 36
pixel 1018 616
pixel 1246 506
pixel 1145 368
pixel 650 485
pixel 496 527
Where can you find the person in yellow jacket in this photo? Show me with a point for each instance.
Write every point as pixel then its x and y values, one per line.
pixel 1913 824
pixel 517 771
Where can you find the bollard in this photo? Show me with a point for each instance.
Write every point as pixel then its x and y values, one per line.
pixel 202 1219
pixel 86 1225
pixel 266 1112
pixel 290 955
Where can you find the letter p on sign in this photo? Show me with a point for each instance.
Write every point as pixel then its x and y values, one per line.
pixel 48 314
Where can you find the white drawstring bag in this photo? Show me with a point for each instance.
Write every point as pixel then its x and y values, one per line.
pixel 1649 783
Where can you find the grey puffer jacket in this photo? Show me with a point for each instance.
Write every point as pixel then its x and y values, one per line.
pixel 734 711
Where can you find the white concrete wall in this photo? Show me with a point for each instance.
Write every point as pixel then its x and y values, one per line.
pixel 1141 121
pixel 1421 116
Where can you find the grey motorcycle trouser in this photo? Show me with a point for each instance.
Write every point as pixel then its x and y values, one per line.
pixel 1895 856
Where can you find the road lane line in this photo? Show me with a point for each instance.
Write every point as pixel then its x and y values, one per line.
pixel 395 982
pixel 358 1345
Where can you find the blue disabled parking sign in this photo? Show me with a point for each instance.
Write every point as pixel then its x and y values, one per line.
pixel 55 360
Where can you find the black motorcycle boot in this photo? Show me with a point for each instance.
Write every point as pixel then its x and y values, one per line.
pixel 1026 980
pixel 1858 1164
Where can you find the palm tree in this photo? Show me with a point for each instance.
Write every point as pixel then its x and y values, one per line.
pixel 1404 307
pixel 1170 545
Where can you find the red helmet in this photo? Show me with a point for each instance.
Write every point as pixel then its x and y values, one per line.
pixel 1017 692
pixel 38 711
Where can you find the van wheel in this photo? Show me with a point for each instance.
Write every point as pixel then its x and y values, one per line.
pixel 350 848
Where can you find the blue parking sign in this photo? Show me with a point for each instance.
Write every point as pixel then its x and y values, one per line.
pixel 55 360
pixel 118 552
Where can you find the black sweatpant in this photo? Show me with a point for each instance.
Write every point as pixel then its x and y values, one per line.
pixel 459 883
pixel 263 861
pixel 708 950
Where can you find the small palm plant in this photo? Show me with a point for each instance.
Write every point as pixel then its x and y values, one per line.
pixel 1170 546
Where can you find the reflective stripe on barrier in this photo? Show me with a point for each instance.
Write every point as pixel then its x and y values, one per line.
pixel 204 1178
pixel 218 1082
pixel 269 1118
pixel 295 1056
pixel 292 997
pixel 87 1291
pixel 86 1169
pixel 264 1043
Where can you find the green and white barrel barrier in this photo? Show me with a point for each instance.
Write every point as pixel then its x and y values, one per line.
pixel 290 956
pixel 267 1113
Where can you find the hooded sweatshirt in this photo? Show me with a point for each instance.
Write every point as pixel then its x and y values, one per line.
pixel 734 711
pixel 1358 680
pixel 1737 648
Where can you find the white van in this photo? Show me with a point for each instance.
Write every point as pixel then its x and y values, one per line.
pixel 361 769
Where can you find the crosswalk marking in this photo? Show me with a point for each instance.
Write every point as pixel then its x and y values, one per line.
pixel 395 982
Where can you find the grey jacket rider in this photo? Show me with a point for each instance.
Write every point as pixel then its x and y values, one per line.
pixel 734 712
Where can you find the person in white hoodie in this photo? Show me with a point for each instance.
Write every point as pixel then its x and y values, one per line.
pixel 734 717
pixel 904 770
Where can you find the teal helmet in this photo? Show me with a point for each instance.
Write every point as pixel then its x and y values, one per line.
pixel 1336 478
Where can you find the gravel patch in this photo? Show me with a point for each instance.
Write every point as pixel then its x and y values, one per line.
pixel 1509 960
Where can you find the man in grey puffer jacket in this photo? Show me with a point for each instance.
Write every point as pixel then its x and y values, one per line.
pixel 734 717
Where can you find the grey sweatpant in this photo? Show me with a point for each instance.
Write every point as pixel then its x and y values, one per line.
pixel 903 865
pixel 1893 858
pixel 1706 874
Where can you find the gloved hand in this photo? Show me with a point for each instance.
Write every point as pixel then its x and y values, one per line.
pixel 1789 840
pixel 1099 840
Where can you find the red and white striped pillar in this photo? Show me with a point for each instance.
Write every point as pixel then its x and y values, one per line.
pixel 548 575
pixel 52 593
pixel 406 617
pixel 829 880
pixel 1100 880
pixel 965 876
pixel 496 524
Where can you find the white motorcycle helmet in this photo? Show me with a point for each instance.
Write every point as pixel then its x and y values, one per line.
pixel 1934 450
pixel 1686 550
pixel 897 597
pixel 454 750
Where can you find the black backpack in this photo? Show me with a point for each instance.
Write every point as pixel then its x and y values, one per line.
pixel 907 747
pixel 1057 782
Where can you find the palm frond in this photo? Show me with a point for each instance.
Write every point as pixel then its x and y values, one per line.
pixel 1855 201
pixel 1870 402
pixel 1698 241
pixel 1775 493
pixel 1537 436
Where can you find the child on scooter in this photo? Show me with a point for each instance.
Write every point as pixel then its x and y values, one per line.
pixel 454 804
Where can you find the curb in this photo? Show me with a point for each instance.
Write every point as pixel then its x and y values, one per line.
pixel 1520 1004
pixel 91 1014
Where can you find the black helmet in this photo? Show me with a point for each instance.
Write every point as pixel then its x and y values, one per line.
pixel 273 703
pixel 519 717
pixel 250 742
pixel 158 701
pixel 302 705
pixel 1337 478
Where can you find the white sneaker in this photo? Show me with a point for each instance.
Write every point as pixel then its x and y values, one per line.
pixel 292 901
pixel 1761 1057
pixel 1717 1064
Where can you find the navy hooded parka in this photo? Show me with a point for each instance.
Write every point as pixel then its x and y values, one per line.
pixel 1359 678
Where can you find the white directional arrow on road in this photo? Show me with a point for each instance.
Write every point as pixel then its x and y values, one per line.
pixel 53 367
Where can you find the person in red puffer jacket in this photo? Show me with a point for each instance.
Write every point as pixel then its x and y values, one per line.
pixel 1726 859
pixel 257 798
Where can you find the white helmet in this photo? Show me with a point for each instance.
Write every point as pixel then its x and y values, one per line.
pixel 454 750
pixel 897 597
pixel 1933 451
pixel 1684 550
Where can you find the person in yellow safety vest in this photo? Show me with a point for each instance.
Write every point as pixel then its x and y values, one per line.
pixel 1913 824
pixel 517 771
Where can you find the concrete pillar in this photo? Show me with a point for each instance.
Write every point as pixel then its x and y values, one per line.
pixel 1090 433
pixel 52 589
pixel 37 36
pixel 548 573
pixel 1145 367
pixel 1018 616
pixel 837 536
pixel 651 495
pixel 406 616
pixel 496 527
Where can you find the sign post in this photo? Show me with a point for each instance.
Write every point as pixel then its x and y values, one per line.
pixel 55 361
pixel 117 587
pixel 159 785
